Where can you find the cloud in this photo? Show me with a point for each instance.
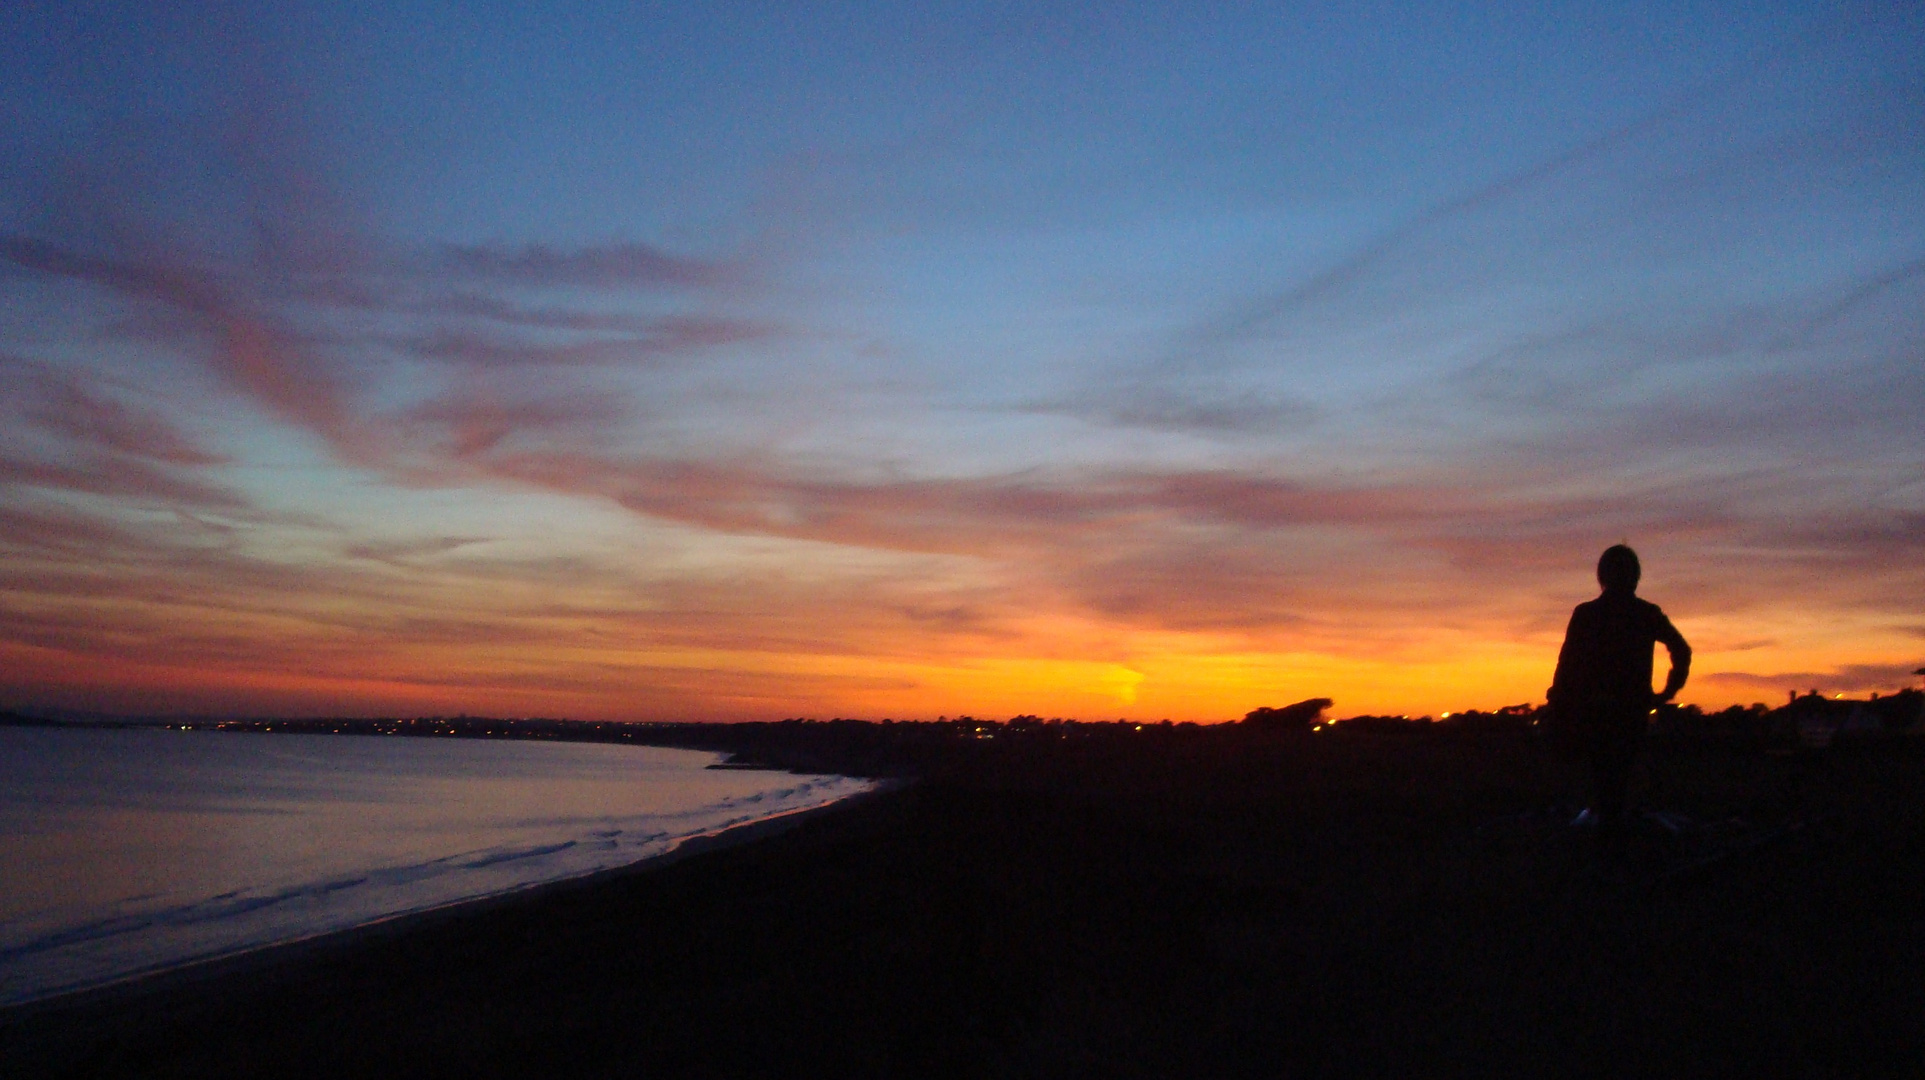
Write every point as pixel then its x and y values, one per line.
pixel 646 340
pixel 1220 586
pixel 493 309
pixel 610 266
pixel 1579 281
pixel 479 417
pixel 1022 510
pixel 406 552
pixel 1850 678
pixel 57 433
pixel 61 403
pixel 60 530
pixel 292 367
pixel 1139 404
pixel 1858 293
pixel 255 350
pixel 129 603
pixel 1204 340
pixel 1203 549
pixel 1472 494
pixel 1742 83
pixel 104 475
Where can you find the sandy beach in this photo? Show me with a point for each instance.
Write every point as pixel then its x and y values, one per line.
pixel 1164 906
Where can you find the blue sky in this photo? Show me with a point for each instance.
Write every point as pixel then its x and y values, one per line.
pixel 756 360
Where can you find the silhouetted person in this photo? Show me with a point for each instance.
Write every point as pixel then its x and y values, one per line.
pixel 1602 689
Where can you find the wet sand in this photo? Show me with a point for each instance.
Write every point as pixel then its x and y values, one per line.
pixel 1161 906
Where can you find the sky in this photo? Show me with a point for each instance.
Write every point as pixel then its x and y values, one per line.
pixel 746 361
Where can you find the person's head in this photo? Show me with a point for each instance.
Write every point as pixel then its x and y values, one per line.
pixel 1618 569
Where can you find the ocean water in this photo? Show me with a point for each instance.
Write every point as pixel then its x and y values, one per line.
pixel 129 851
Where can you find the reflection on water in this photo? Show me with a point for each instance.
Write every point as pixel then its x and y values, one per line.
pixel 127 851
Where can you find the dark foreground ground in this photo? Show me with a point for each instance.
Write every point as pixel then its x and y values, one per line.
pixel 1166 905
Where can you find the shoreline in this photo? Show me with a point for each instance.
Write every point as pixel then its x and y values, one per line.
pixel 257 958
pixel 1156 906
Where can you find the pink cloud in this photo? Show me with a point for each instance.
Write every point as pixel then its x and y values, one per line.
pixel 106 475
pixel 58 433
pixel 61 403
pixel 481 417
pixel 255 350
pixel 1849 679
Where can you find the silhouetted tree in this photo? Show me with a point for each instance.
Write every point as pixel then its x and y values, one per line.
pixel 1289 718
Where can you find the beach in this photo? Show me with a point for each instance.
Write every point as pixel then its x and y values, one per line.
pixel 1176 904
pixel 135 851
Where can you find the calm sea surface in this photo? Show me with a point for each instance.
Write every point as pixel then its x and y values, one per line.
pixel 133 850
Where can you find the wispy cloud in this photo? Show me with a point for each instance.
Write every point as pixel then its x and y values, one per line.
pixel 1857 293
pixel 406 552
pixel 1609 146
pixel 1148 404
pixel 611 266
pixel 642 342
pixel 254 348
pixel 1849 679
pixel 496 309
pixel 61 403
pixel 61 434
pixel 105 475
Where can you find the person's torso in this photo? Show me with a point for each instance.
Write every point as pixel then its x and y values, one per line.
pixel 1618 636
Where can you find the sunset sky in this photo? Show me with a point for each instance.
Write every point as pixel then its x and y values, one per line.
pixel 742 361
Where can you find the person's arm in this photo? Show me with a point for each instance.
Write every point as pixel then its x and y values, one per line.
pixel 1680 651
pixel 1567 660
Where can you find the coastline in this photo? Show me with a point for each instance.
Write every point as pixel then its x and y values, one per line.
pixel 1357 904
pixel 256 958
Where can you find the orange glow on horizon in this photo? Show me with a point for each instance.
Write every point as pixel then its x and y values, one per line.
pixel 1144 676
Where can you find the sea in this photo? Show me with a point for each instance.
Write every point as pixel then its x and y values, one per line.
pixel 133 850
